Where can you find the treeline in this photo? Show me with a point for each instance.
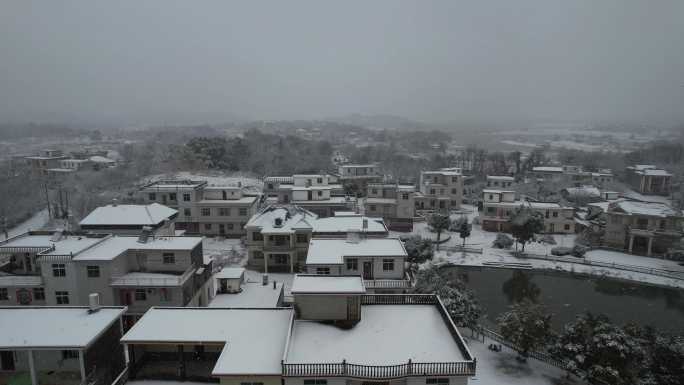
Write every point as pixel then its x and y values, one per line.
pixel 15 131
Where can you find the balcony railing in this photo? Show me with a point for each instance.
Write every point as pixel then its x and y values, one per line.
pixel 387 284
pixel 399 299
pixel 151 280
pixel 387 372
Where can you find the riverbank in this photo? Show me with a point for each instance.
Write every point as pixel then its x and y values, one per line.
pixel 645 269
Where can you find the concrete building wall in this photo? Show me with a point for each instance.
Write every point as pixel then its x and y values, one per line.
pixel 321 306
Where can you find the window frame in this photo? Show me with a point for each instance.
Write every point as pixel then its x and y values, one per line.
pixel 386 263
pixel 322 271
pixel 4 294
pixel 140 295
pixel 169 258
pixel 59 270
pixel 352 264
pixel 187 197
pixel 38 293
pixel 62 297
pixel 93 271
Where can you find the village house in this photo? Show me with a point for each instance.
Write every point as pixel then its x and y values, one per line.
pixel 312 343
pixel 47 159
pixel 318 193
pixel 644 228
pixel 500 205
pixel 395 203
pixel 381 262
pixel 45 268
pixel 359 175
pixel 130 219
pixel 499 181
pixel 205 209
pixel 440 190
pixel 278 236
pixel 61 345
pixel 648 179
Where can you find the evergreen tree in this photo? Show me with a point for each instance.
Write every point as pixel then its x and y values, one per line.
pixel 439 223
pixel 527 325
pixel 458 300
pixel 525 224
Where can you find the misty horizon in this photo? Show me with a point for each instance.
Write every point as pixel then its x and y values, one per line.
pixel 136 63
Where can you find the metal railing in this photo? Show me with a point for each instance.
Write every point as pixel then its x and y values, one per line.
pixel 152 280
pixel 380 372
pixel 612 265
pixel 398 299
pixel 540 356
pixel 21 280
pixel 387 284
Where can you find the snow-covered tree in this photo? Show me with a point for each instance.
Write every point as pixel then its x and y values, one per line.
pixel 464 230
pixel 600 351
pixel 418 249
pixel 525 225
pixel 439 223
pixel 527 325
pixel 458 300
pixel 502 241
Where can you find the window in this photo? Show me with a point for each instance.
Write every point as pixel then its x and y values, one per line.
pixel 169 258
pixel 140 295
pixel 555 214
pixel 187 212
pixel 39 294
pixel 388 264
pixel 93 271
pixel 224 211
pixel 566 227
pixel 454 179
pixel 302 238
pixel 405 196
pixel 439 381
pixel 280 259
pixel 257 236
pixel 432 191
pixel 372 208
pixel 323 270
pixel 270 186
pixel 152 196
pixel 454 191
pixel 491 197
pixel 186 197
pixel 62 297
pixel 172 196
pixel 4 296
pixel 317 381
pixel 207 226
pixel 69 354
pixel 243 211
pixel 206 211
pixel 58 270
pixel 230 226
pixel 374 191
pixel 319 180
pixel 320 193
pixel 352 264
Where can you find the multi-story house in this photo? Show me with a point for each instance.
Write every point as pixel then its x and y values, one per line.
pixel 290 346
pixel 130 219
pixel 500 181
pixel 203 208
pixel 648 179
pixel 278 236
pixel 500 205
pixel 395 203
pixel 47 159
pixel 573 175
pixel 548 173
pixel 44 268
pixel 359 175
pixel 379 261
pixel 319 193
pixel 61 345
pixel 644 228
pixel 440 190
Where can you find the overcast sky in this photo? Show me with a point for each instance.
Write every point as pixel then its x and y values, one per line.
pixel 150 62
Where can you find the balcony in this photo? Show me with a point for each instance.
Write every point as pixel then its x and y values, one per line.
pixel 388 372
pixel 143 279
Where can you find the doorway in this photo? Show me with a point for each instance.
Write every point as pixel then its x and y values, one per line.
pixel 7 360
pixel 368 270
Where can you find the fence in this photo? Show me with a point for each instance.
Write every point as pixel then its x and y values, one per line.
pixel 344 369
pixel 466 249
pixel 398 299
pixel 613 265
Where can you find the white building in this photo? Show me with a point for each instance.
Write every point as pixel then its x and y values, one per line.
pixel 500 205
pixel 393 202
pixel 440 190
pixel 321 194
pixel 130 219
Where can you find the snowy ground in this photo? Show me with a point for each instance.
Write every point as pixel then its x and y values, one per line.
pixel 483 239
pixel 497 368
pixel 224 251
pixel 36 222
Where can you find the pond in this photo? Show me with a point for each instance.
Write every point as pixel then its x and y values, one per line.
pixel 567 295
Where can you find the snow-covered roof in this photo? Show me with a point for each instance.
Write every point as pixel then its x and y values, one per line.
pixel 279 179
pixel 101 159
pixel 292 217
pixel 585 191
pixel 173 185
pixel 327 284
pixel 492 191
pixel 547 169
pixel 344 224
pixel 332 251
pixel 498 177
pixel 66 245
pixel 386 335
pixel 346 214
pixel 246 200
pixel 253 294
pixel 230 273
pixel 114 246
pixel 656 172
pixel 128 215
pixel 53 327
pixel 381 201
pixel 644 208
pixel 254 339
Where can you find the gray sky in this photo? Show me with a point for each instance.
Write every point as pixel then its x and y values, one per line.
pixel 207 61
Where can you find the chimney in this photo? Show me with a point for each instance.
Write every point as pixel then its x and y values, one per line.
pixel 278 222
pixel 114 202
pixel 93 303
pixel 264 280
